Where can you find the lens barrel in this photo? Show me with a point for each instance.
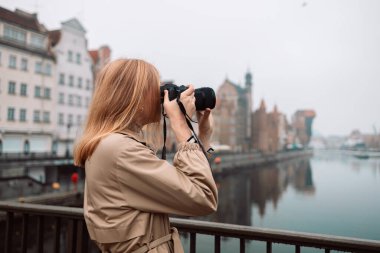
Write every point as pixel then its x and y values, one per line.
pixel 204 97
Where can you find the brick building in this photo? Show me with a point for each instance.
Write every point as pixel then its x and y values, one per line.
pixel 268 129
pixel 232 114
pixel 302 121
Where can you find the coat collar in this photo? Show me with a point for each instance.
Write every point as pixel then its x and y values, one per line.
pixel 134 135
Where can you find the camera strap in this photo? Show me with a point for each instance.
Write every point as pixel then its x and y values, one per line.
pixel 188 122
pixel 163 155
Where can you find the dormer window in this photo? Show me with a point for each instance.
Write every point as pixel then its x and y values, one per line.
pixel 37 40
pixel 14 34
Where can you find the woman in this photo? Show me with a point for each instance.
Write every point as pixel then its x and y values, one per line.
pixel 129 192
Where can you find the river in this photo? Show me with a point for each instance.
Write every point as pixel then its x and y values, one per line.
pixel 329 193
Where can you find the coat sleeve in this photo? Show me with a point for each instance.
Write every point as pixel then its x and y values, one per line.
pixel 153 185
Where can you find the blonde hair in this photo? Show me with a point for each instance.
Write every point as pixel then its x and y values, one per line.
pixel 124 88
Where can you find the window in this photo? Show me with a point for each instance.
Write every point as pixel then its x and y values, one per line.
pixel 70 56
pixel 79 120
pixel 22 115
pixel 70 119
pixel 46 117
pixel 37 40
pixel 60 119
pixel 70 99
pixel 36 116
pixel 14 34
pixel 87 102
pixel 26 147
pixel 61 98
pixel 47 93
pixel 0 58
pixel 79 82
pixel 12 88
pixel 87 84
pixel 79 101
pixel 38 67
pixel 61 78
pixel 24 64
pixel 12 61
pixel 48 69
pixel 71 81
pixel 23 90
pixel 78 58
pixel 37 91
pixel 11 114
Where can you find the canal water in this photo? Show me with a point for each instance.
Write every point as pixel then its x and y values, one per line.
pixel 329 193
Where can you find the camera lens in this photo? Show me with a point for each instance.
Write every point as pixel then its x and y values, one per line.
pixel 204 98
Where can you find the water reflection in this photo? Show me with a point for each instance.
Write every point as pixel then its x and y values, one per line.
pixel 259 187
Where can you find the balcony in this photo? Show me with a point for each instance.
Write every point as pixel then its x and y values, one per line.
pixel 66 227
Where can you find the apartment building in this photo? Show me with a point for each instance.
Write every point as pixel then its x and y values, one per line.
pixel 27 80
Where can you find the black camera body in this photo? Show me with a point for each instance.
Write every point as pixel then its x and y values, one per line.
pixel 204 97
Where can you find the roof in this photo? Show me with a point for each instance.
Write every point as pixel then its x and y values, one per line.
pixel 54 37
pixel 306 113
pixel 75 24
pixel 22 19
pixel 238 88
pixel 94 55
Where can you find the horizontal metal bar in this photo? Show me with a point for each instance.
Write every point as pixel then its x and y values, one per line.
pixel 46 210
pixel 227 230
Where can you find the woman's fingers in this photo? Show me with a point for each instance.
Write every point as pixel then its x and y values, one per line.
pixel 166 96
pixel 189 91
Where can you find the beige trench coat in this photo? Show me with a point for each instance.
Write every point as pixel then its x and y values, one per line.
pixel 129 192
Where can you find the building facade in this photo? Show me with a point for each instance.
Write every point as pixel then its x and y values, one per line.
pixel 232 115
pixel 100 57
pixel 269 130
pixel 74 83
pixel 302 122
pixel 27 81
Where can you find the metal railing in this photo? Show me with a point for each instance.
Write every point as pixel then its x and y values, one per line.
pixel 78 240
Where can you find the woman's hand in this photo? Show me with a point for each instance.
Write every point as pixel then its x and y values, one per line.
pixel 177 119
pixel 206 126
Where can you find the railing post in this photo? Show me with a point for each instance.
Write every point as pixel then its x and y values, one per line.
pixel 83 242
pixel 242 245
pixel 298 249
pixel 193 243
pixel 57 235
pixel 74 235
pixel 217 243
pixel 269 247
pixel 9 232
pixel 24 241
pixel 40 234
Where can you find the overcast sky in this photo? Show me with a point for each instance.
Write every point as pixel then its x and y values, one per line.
pixel 317 54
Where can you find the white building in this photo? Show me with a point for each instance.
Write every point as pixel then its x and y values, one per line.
pixel 27 81
pixel 74 82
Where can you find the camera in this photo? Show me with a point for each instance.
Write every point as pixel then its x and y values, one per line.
pixel 204 97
